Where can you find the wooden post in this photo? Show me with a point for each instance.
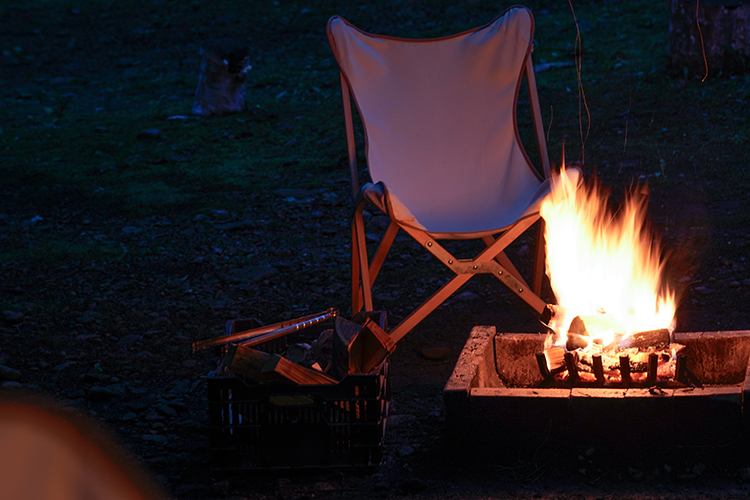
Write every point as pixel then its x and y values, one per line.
pixel 223 77
pixel 708 36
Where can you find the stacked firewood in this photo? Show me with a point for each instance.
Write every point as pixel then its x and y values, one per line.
pixel 347 348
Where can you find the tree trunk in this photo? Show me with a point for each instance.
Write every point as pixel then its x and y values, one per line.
pixel 721 45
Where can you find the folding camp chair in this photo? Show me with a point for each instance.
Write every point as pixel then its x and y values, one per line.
pixel 443 149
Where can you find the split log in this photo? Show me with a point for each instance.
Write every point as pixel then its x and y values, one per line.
pixel 369 348
pixel 344 333
pixel 248 362
pixel 541 361
pixel 555 357
pixel 284 370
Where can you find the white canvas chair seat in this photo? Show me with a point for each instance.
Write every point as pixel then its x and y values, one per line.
pixel 442 146
pixel 472 226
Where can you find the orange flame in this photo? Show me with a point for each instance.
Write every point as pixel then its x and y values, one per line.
pixel 603 262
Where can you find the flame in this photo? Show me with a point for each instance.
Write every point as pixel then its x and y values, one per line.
pixel 603 262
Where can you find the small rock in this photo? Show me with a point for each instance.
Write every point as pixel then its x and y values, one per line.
pixel 166 411
pixel 8 373
pixel 253 274
pixel 155 438
pixel 734 284
pixel 699 468
pixel 130 339
pixel 746 282
pixel 99 393
pixel 395 420
pixel 406 451
pixel 128 417
pixel 190 363
pixel 178 405
pixel 413 485
pixel 234 226
pixel 467 296
pixel 744 474
pixel 11 384
pixel 298 193
pixel 435 353
pixel 13 317
pixel 162 322
pixel 149 134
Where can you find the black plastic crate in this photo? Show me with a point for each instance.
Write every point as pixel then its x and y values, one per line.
pixel 268 426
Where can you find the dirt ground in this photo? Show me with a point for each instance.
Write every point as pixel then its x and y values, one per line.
pixel 120 246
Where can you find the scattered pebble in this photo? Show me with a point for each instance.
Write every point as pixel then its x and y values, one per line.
pixel 8 373
pixel 413 485
pixel 149 134
pixel 435 353
pixel 13 317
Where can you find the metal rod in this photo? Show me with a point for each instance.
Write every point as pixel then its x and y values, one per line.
pixel 625 369
pixel 265 333
pixel 653 366
pixel 680 366
pixel 570 362
pixel 596 360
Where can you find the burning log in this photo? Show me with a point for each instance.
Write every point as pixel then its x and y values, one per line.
pixel 594 324
pixel 550 313
pixel 541 360
pixel 551 361
pixel 656 339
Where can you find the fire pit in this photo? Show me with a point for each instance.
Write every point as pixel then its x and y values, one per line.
pixel 496 400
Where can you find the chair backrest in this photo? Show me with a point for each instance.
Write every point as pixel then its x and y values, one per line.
pixel 439 117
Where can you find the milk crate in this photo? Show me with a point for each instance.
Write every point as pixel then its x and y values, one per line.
pixel 271 426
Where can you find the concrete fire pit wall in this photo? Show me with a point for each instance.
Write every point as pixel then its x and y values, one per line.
pixel 491 407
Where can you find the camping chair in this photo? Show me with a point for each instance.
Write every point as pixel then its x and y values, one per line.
pixel 443 149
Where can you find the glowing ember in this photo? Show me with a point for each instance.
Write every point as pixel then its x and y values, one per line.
pixel 603 262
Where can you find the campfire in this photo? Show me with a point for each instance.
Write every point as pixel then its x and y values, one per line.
pixel 614 317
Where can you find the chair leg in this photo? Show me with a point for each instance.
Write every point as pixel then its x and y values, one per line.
pixel 428 306
pixel 364 273
pixel 383 248
pixel 504 261
pixel 356 286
